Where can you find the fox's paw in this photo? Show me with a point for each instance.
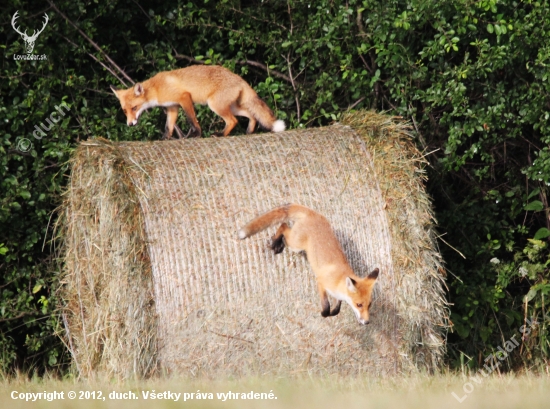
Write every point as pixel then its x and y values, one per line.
pixel 336 309
pixel 194 133
pixel 278 245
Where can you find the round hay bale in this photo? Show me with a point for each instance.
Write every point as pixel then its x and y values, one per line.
pixel 157 280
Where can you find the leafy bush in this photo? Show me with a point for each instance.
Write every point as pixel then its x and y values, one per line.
pixel 472 77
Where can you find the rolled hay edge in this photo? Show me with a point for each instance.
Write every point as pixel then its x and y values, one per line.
pixel 107 292
pixel 154 222
pixel 401 175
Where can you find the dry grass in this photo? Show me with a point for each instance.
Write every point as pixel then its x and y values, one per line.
pixel 156 278
pixel 108 298
pixel 399 167
pixel 422 392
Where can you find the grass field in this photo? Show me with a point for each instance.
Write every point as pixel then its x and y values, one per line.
pixel 502 392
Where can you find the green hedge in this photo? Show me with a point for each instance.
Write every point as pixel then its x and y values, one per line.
pixel 472 77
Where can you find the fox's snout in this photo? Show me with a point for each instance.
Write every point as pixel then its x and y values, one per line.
pixel 132 122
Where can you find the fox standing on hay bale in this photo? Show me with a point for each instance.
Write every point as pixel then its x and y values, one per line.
pixel 312 233
pixel 226 94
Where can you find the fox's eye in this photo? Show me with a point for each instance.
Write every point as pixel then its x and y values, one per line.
pixel 359 305
pixel 134 108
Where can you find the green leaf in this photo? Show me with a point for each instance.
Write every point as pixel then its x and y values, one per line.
pixel 36 288
pixel 533 193
pixel 535 206
pixel 536 242
pixel 530 295
pixel 542 233
pixel 490 28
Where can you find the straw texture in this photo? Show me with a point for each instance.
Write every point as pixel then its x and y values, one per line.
pixel 156 278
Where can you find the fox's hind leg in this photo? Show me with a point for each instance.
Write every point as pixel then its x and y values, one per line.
pixel 278 240
pixel 285 236
pixel 240 111
pixel 221 105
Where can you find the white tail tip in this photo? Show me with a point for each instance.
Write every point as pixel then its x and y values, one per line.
pixel 242 234
pixel 278 126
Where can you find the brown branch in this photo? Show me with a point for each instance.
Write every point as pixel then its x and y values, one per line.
pixel 179 56
pixel 359 21
pixel 141 8
pixel 287 58
pixel 5 285
pixel 265 68
pixel 106 56
pixel 298 116
pixel 257 19
pixel 356 103
pixel 420 137
pixel 544 200
pixel 97 47
pixel 97 60
pixel 366 65
pixel 290 17
pixel 15 76
pixel 22 315
pixel 256 64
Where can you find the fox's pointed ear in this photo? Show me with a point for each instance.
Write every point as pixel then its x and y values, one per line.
pixel 350 284
pixel 373 274
pixel 115 91
pixel 138 89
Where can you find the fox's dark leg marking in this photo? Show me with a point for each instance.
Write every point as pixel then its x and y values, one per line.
pixel 325 304
pixel 278 240
pixel 325 312
pixel 336 309
pixel 278 244
pixel 194 132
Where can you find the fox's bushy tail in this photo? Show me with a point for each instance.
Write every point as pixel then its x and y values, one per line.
pixel 263 114
pixel 273 217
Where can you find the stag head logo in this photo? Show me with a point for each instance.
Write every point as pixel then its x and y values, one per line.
pixel 29 40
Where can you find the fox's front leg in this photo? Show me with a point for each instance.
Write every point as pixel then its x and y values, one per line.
pixel 325 304
pixel 171 117
pixel 186 103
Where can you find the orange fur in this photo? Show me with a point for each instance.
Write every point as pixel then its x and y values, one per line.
pixel 226 94
pixel 312 233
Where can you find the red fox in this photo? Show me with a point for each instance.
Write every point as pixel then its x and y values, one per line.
pixel 312 233
pixel 226 94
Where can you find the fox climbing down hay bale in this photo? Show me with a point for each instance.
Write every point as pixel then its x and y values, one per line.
pixel 156 279
pixel 311 233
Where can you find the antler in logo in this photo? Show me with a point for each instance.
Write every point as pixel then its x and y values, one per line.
pixel 29 41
